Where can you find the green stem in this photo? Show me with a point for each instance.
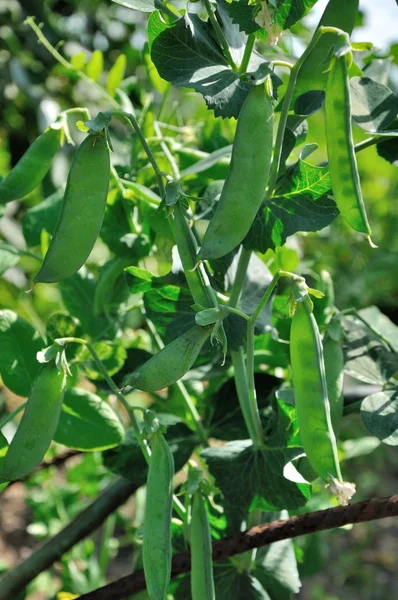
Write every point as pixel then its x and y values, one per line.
pixel 286 105
pixel 250 413
pixel 12 414
pixel 183 390
pixel 238 312
pixel 258 440
pixel 282 63
pixel 58 57
pixel 239 280
pixel 130 411
pixel 220 35
pixel 167 153
pixel 247 53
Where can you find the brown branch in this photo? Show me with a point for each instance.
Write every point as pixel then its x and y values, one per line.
pixel 258 536
pixel 16 580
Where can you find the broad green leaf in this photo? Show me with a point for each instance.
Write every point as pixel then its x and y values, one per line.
pixel 309 102
pixel 112 355
pixel 251 478
pixel 87 422
pixel 141 5
pixel 367 357
pixel 373 105
pixel 198 62
pixel 77 294
pixel 19 344
pixel 127 460
pixel 381 324
pixel 287 13
pixel 116 74
pixel 380 415
pixel 43 216
pixel 9 256
pixel 302 202
pixel 95 65
pixel 276 567
pixel 116 233
pixel 379 69
pixel 226 421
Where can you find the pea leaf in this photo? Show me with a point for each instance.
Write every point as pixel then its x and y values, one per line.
pixel 127 459
pixel 252 478
pixel 19 344
pixel 230 583
pixel 381 324
pixel 367 357
pixel 43 216
pixel 198 63
pixel 77 294
pixel 9 257
pixel 276 566
pixel 374 106
pixel 141 5
pixel 116 74
pixel 302 202
pixel 87 422
pixel 112 354
pixel 95 65
pixel 380 415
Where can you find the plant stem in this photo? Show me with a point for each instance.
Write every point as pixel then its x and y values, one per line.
pixel 241 271
pixel 167 153
pixel 282 63
pixel 12 414
pixel 286 105
pixel 130 410
pixel 183 390
pixel 239 313
pixel 247 53
pixel 220 35
pixel 249 410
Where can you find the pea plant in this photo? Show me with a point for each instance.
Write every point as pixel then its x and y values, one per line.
pixel 189 347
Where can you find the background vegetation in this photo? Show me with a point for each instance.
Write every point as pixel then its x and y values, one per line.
pixel 357 564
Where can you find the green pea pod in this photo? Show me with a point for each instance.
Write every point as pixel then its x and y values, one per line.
pixel 157 550
pixel 312 403
pixel 313 72
pixel 32 167
pixel 247 177
pixel 343 167
pixel 202 582
pixel 82 212
pixel 334 368
pixel 37 426
pixel 171 363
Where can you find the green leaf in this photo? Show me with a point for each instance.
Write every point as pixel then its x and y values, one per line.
pixel 253 478
pixel 127 459
pixel 374 106
pixel 43 216
pixel 288 12
pixel 309 102
pixel 276 567
pixel 98 124
pixel 302 202
pixel 380 415
pixel 367 357
pixel 116 74
pixel 78 61
pixel 232 584
pixel 112 354
pixel 78 298
pixel 116 233
pixel 141 5
pixel 87 422
pixel 198 63
pixel 95 65
pixel 19 344
pixel 9 256
pixel 381 324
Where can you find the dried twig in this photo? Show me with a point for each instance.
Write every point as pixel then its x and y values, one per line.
pixel 258 536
